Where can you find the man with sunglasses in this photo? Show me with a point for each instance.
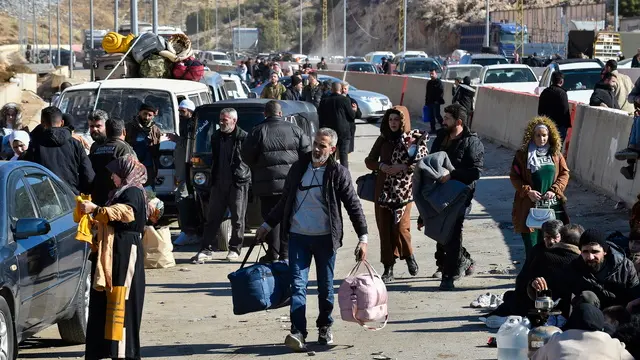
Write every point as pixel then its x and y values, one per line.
pixel 309 214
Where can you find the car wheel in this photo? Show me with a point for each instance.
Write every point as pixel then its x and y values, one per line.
pixel 8 346
pixel 372 120
pixel 74 330
pixel 224 235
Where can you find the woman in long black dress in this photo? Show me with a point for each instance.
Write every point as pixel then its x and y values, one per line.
pixel 118 281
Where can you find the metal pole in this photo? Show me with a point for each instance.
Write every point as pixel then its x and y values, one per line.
pixel 300 26
pixel 115 15
pixel 58 30
pixel 92 45
pixel 21 29
pixel 71 64
pixel 36 57
pixel 134 17
pixel 404 28
pixel 486 24
pixel 216 24
pixel 344 31
pixel 154 16
pixel 50 51
pixel 198 29
pixel 616 20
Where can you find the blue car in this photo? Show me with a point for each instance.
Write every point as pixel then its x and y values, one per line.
pixel 45 272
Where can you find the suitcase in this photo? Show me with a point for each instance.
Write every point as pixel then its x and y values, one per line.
pixel 106 63
pixel 147 45
pixel 260 287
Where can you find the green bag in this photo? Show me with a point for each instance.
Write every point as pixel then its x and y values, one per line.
pixel 155 66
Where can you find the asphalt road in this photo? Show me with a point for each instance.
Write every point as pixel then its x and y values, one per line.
pixel 188 313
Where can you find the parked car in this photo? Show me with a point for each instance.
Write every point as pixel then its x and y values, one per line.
pixel 515 77
pixel 580 77
pixel 375 57
pixel 361 67
pixel 214 58
pixel 625 64
pixel 408 55
pixel 250 114
pixel 372 104
pixel 45 273
pixel 235 87
pixel 483 59
pixel 418 66
pixel 460 71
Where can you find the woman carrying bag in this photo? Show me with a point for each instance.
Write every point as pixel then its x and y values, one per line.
pixel 393 156
pixel 540 175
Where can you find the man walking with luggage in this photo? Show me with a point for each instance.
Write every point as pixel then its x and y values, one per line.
pixel 337 112
pixel 466 152
pixel 309 213
pixel 230 178
pixel 434 98
pixel 270 150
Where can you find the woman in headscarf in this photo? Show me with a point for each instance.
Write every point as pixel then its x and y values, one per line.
pixel 393 156
pixel 540 175
pixel 118 281
pixel 10 120
pixel 19 141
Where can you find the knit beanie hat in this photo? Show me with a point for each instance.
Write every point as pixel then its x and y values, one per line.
pixel 594 236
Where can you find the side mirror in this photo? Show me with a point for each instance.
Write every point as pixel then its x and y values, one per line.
pixel 31 227
pixel 253 95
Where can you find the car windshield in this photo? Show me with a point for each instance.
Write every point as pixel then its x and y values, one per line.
pixel 460 72
pixel 378 58
pixel 581 79
pixel 497 76
pixel 361 67
pixel 220 57
pixel 119 103
pixel 231 88
pixel 489 61
pixel 247 119
pixel 414 67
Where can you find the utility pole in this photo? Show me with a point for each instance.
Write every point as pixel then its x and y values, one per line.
pixel 197 28
pixel 216 24
pixel 616 19
pixel 235 56
pixel 71 64
pixel 59 62
pixel 36 57
pixel 404 28
pixel 21 29
pixel 486 24
pixel 50 51
pixel 344 31
pixel 325 20
pixel 133 15
pixel 91 76
pixel 154 16
pixel 300 26
pixel 115 15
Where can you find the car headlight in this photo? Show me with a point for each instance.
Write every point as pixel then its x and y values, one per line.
pixel 200 178
pixel 166 161
pixel 371 99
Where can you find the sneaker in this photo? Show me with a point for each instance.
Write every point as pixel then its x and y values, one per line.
pixel 184 239
pixel 447 284
pixel 325 336
pixel 232 255
pixel 482 301
pixel 493 321
pixel 295 342
pixel 495 301
pixel 202 256
pixel 437 274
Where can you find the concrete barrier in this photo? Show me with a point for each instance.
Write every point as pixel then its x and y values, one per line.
pixel 10 92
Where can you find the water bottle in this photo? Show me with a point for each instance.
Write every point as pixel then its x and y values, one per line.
pixel 512 338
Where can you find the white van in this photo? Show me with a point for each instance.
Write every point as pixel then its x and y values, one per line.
pixel 214 58
pixel 121 98
pixel 375 57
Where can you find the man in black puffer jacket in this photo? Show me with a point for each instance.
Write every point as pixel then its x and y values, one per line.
pixel 270 150
pixel 54 148
pixel 603 93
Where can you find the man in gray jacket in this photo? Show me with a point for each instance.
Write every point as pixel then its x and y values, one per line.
pixel 270 150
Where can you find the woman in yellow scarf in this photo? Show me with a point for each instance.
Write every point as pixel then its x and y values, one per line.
pixel 118 282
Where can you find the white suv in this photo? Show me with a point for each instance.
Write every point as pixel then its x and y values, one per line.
pixel 580 77
pixel 214 58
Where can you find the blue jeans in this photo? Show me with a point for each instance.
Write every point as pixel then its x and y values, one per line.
pixel 634 137
pixel 301 249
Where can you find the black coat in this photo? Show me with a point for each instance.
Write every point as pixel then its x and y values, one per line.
pixel 312 94
pixel 435 92
pixel 291 94
pixel 603 94
pixel 635 61
pixel 554 104
pixel 239 169
pixel 337 189
pixel 466 154
pixel 335 112
pixel 270 150
pixel 464 95
pixel 65 156
pixel 101 155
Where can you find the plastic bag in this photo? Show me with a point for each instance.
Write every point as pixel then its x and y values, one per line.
pixel 158 250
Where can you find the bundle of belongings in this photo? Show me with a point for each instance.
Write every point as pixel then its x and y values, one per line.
pixel 148 56
pixel 439 205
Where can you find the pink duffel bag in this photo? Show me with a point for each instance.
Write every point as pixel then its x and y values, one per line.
pixel 363 298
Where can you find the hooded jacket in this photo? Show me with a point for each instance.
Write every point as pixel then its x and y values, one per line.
pixel 554 104
pixel 464 95
pixel 623 87
pixel 270 150
pixel 603 94
pixel 466 154
pixel 59 152
pixel 101 155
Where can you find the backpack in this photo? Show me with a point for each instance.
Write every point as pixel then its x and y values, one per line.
pixel 155 66
pixel 363 298
pixel 189 69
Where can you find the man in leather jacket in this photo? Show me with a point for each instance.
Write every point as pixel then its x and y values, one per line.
pixel 230 178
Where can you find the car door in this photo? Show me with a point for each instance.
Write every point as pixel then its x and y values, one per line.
pixel 37 258
pixel 54 205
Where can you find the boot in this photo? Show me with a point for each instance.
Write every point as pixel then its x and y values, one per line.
pixel 387 276
pixel 412 265
pixel 447 284
pixel 628 172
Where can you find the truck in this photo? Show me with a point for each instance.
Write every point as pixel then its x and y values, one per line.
pixel 97 37
pixel 501 36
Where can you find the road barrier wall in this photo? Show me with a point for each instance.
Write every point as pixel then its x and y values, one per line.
pixel 10 92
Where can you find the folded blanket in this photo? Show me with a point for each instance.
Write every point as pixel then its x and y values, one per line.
pixel 116 43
